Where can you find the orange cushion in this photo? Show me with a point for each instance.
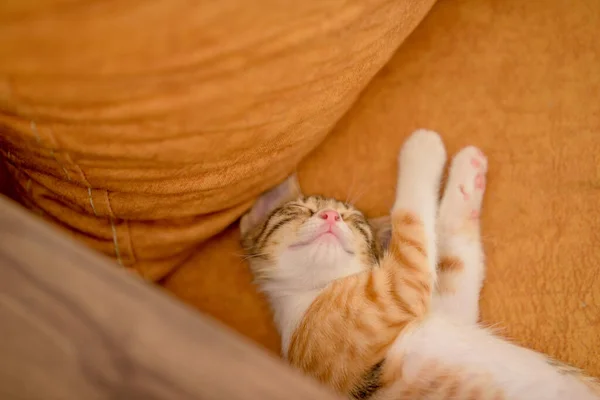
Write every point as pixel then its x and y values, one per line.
pixel 145 128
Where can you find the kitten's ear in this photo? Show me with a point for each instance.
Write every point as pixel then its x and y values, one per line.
pixel 382 229
pixel 286 191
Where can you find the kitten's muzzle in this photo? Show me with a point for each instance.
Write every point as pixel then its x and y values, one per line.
pixel 329 227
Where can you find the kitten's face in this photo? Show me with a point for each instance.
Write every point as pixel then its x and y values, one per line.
pixel 311 241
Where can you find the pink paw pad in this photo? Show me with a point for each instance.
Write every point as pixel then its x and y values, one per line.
pixel 474 214
pixel 476 162
pixel 480 181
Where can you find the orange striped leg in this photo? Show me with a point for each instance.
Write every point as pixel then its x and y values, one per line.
pixel 421 163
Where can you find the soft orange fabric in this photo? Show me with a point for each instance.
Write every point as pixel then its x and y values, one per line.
pixel 521 80
pixel 145 128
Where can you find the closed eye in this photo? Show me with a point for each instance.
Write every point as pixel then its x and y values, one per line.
pixel 352 217
pixel 302 208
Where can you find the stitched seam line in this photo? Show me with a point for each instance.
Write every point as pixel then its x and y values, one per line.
pixel 114 229
pixel 92 201
pixel 36 133
pixel 85 180
pixel 130 242
pixel 116 242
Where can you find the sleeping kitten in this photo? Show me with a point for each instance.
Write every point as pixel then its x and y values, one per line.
pixel 399 323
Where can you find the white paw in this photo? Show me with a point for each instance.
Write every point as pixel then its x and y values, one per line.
pixel 466 185
pixel 424 154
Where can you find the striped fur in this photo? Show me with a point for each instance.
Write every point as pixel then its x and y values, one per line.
pixel 365 313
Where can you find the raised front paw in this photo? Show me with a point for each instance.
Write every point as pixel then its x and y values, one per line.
pixel 424 154
pixel 466 185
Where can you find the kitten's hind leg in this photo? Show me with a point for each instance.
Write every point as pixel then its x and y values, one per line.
pixel 412 246
pixel 461 259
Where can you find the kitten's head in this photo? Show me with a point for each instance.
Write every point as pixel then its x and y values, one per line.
pixel 299 243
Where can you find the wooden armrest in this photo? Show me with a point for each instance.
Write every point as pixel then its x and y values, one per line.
pixel 74 326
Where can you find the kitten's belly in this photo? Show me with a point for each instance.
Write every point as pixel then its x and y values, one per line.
pixel 465 361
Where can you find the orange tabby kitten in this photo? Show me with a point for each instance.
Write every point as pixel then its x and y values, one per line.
pixel 399 323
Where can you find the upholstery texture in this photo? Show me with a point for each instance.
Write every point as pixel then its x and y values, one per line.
pixel 144 128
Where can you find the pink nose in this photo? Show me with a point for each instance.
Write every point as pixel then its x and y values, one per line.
pixel 330 216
